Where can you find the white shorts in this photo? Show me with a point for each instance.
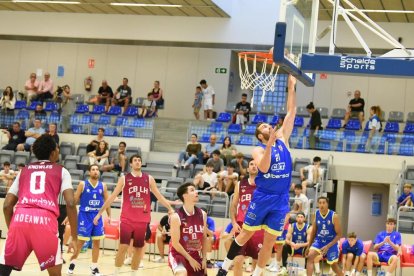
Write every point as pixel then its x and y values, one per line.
pixel 208 104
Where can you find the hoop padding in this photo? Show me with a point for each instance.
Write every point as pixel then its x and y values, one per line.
pixel 264 77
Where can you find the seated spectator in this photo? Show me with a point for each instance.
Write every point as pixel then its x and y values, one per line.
pixel 206 180
pixel 163 237
pixel 218 163
pixel 16 136
pixel 301 203
pixel 353 255
pixel 53 132
pixel 100 155
pixel 118 162
pixel 208 150
pixel 31 86
pixel 198 98
pixel 105 95
pixel 227 150
pixel 45 90
pixel 7 100
pixel 315 174
pixel 243 109
pixel 190 154
pixel 374 126
pixel 122 96
pixel 355 108
pixel 40 112
pixel 7 175
pixel 227 180
pixel 407 197
pixel 240 165
pixel 158 95
pixel 387 244
pixel 95 142
pixel 31 135
pixel 149 107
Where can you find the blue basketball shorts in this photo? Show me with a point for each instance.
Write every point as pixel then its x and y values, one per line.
pixel 281 239
pixel 86 228
pixel 332 255
pixel 384 257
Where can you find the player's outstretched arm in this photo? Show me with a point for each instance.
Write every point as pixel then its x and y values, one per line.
pixel 110 199
pixel 105 196
pixel 308 234
pixel 8 207
pixel 289 120
pixel 159 196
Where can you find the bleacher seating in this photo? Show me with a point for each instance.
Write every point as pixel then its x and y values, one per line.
pixel 301 111
pixel 323 111
pixel 396 116
pixel 51 106
pixel 97 109
pixel 82 108
pixel 299 122
pixel 20 105
pixel 268 109
pixel 410 117
pixel 353 125
pixel 338 113
pixel 250 130
pixel 114 110
pixel 224 117
pixel 391 127
pixel 334 123
pixel 259 118
pixel 131 111
pixel 234 128
pixel 33 105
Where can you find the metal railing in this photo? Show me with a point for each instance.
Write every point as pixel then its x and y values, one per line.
pixel 399 220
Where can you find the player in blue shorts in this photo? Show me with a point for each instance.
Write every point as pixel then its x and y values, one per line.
pixel 270 201
pixel 353 255
pixel 387 244
pixel 91 194
pixel 324 237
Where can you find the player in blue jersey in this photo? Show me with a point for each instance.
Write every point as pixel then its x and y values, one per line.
pixel 387 244
pixel 324 237
pixel 91 195
pixel 270 202
pixel 353 255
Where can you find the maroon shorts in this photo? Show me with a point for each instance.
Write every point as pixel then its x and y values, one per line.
pixel 32 230
pixel 137 232
pixel 178 263
pixel 253 246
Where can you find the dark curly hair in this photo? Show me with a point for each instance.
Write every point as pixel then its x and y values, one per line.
pixel 43 147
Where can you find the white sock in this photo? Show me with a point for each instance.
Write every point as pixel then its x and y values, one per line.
pixel 208 255
pixel 94 265
pixel 357 273
pixel 257 271
pixel 116 272
pixel 317 268
pixel 369 272
pixel 227 264
pixel 388 274
pixel 247 262
pixel 134 272
pixel 73 261
pixel 347 273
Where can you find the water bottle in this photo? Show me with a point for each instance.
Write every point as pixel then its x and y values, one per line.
pixel 295 266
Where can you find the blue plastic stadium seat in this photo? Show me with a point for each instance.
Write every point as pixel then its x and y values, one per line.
pixel 380 149
pixel 391 127
pixel 98 109
pixel 353 125
pixel 82 108
pixel 80 119
pixel 245 140
pixel 121 121
pixel 259 118
pixel 324 145
pixel 109 131
pixel 33 105
pixel 103 120
pixel 393 148
pixel 334 123
pixel 295 132
pixel 366 126
pixel 406 149
pixel 205 138
pixel 131 111
pixel 215 127
pixel 20 105
pixel 299 122
pixel 54 117
pixel 339 147
pixel 275 120
pixel 361 148
pixel 41 117
pixel 23 114
pixel 114 110
pixel 128 132
pixel 224 117
pixel 327 134
pixel 51 106
pixel 78 129
pixel 136 122
pixel 407 139
pixel 250 129
pixel 390 137
pixel 234 128
pixel 409 128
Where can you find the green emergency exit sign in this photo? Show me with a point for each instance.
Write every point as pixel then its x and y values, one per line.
pixel 221 70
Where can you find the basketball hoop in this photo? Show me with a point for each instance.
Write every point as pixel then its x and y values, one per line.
pixel 263 72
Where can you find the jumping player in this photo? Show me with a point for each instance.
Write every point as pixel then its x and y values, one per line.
pixel 243 193
pixel 325 234
pixel 33 223
pixel 188 235
pixel 135 212
pixel 270 202
pixel 353 255
pixel 92 194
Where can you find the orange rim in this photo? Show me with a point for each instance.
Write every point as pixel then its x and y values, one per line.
pixel 259 56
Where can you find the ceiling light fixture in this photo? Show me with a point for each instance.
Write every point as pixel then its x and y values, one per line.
pixel 145 5
pixel 47 2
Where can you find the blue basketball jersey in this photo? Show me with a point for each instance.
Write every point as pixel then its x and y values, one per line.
pixel 299 235
pixel 277 179
pixel 91 199
pixel 395 237
pixel 326 229
pixel 357 249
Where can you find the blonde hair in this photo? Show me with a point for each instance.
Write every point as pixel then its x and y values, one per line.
pixel 407 185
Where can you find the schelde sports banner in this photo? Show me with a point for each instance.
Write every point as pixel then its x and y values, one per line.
pixel 358 65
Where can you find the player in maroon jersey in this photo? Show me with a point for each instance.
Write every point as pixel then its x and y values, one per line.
pixel 33 223
pixel 135 211
pixel 188 235
pixel 243 193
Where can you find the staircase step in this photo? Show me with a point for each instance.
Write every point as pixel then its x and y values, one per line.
pixel 168 147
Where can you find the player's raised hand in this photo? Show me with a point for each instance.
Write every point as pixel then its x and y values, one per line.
pixel 194 264
pixel 272 135
pixel 291 83
pixel 96 219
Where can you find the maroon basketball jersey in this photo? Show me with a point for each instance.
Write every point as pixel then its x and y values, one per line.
pixel 191 231
pixel 245 196
pixel 39 186
pixel 136 199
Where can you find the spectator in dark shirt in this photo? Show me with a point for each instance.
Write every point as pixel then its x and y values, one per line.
pixel 191 153
pixel 242 111
pixel 315 124
pixel 40 112
pixel 16 136
pixel 122 95
pixel 105 95
pixel 53 132
pixel 163 237
pixel 355 108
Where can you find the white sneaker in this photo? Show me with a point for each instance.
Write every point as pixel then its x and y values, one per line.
pixel 141 264
pixel 273 267
pixel 283 272
pixel 158 260
pixel 128 261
